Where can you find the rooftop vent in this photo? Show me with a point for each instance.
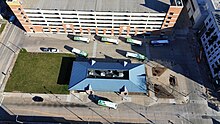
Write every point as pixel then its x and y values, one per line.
pixel 93 62
pixel 125 63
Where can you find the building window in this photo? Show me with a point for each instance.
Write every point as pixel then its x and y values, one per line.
pixel 213 65
pixel 206 23
pixel 210 19
pixel 171 13
pixel 215 46
pixel 169 17
pixel 167 21
pixel 206 47
pixel 165 25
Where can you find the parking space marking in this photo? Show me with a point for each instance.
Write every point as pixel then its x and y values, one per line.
pixel 94 49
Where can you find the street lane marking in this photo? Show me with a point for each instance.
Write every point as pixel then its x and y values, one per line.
pixel 94 49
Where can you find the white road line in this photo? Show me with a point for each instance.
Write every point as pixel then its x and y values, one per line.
pixel 94 49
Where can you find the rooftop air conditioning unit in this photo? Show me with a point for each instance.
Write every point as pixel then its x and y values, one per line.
pixel 91 73
pixel 121 74
pixel 102 73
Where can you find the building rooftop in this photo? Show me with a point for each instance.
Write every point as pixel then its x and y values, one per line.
pixel 102 76
pixel 216 4
pixel 101 5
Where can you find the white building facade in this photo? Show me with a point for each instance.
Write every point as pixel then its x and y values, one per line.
pixel 211 42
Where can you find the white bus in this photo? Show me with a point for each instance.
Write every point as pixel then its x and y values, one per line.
pixel 132 41
pixel 79 52
pixel 108 104
pixel 105 39
pixel 78 38
pixel 135 55
pixel 159 42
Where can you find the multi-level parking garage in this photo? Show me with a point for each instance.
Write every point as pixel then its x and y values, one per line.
pixel 118 17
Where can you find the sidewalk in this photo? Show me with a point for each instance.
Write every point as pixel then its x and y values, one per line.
pixel 8 58
pixel 180 91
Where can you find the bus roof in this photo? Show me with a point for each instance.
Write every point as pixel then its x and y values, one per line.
pixel 160 41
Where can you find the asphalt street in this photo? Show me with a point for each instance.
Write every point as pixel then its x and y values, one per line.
pixel 179 56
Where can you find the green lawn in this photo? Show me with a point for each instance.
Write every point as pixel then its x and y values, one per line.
pixel 40 73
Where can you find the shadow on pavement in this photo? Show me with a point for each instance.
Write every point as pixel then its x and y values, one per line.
pixel 139 49
pixel 6 13
pixel 95 98
pixel 98 37
pixel 123 39
pixel 156 5
pixel 213 106
pixel 121 52
pixel 69 48
pixel 42 48
pixel 7 118
pixel 70 36
pixel 215 121
pixel 65 70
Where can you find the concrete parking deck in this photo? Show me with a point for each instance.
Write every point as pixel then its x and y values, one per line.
pixel 100 5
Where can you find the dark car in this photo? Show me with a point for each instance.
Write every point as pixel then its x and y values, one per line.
pixel 37 99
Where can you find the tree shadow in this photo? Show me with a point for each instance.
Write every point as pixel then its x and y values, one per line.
pixel 65 70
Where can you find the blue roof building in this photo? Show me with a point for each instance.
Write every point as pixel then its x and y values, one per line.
pixel 110 77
